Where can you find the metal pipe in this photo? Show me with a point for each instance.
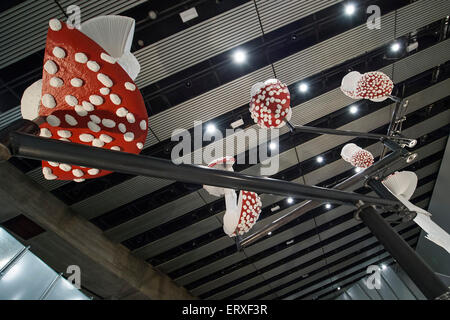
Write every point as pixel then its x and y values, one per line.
pixel 373 170
pixel 417 269
pixel 33 147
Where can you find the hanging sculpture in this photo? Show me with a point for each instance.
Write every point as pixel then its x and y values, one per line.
pixel 241 215
pixel 375 86
pixel 270 104
pixel 357 156
pixel 402 185
pixel 86 95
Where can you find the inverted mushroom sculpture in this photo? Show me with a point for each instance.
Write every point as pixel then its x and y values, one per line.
pixel 270 104
pixel 375 86
pixel 240 215
pixel 357 156
pixel 85 97
pixel 402 185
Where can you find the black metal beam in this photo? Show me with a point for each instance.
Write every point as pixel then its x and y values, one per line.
pixel 33 147
pixel 416 268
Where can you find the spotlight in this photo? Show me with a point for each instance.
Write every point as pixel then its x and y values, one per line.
pixel 353 109
pixel 239 56
pixel 339 288
pixel 357 169
pixel 319 159
pixel 328 206
pixel 211 128
pixel 270 233
pixel 350 9
pixel 395 47
pixel 383 267
pixel 290 200
pixel 272 146
pixel 303 87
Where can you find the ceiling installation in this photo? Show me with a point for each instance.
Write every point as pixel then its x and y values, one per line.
pixel 202 70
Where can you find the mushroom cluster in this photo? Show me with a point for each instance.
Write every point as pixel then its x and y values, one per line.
pixel 241 215
pixel 270 104
pixel 86 98
pixel 375 86
pixel 357 156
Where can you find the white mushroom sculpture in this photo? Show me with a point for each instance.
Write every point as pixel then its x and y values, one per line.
pixel 241 215
pixel 357 156
pixel 402 185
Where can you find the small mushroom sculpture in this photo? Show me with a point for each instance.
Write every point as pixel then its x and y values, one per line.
pixel 240 214
pixel 402 183
pixel 357 156
pixel 375 86
pixel 85 96
pixel 270 103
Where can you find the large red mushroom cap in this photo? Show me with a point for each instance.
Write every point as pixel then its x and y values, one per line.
pixel 270 104
pixel 224 163
pixel 244 218
pixel 87 98
pixel 357 156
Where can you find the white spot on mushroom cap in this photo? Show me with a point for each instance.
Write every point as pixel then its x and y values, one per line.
pixel 45 133
pixel 77 173
pixel 80 111
pixel 64 139
pixel 108 123
pixel 107 58
pixel 98 143
pixel 76 82
pixel 128 136
pixel 48 101
pixel 87 106
pixel 64 133
pixel 139 145
pixel 51 67
pixel 104 91
pixel 53 120
pixel 122 128
pixel 55 24
pixel 105 80
pixel 53 164
pixel 79 180
pixel 65 167
pixel 121 112
pixel 105 138
pixel 93 171
pixel 71 100
pixel 93 66
pixel 96 100
pixel 115 99
pixel 93 126
pixel 81 57
pixel 131 118
pixel 116 148
pixel 95 119
pixel 56 82
pixel 59 52
pixel 86 137
pixel 130 86
pixel 143 124
pixel 50 176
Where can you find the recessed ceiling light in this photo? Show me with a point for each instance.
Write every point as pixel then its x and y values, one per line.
pixel 272 146
pixel 339 288
pixel 290 200
pixel 319 159
pixel 383 266
pixel 239 56
pixel 303 87
pixel 395 47
pixel 353 109
pixel 270 233
pixel 211 128
pixel 350 9
pixel 328 206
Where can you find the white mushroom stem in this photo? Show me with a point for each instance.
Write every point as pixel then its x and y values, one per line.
pixel 232 212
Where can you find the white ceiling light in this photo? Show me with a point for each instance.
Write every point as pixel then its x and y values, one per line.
pixel 270 233
pixel 357 169
pixel 290 200
pixel 328 206
pixel 339 288
pixel 303 87
pixel 353 109
pixel 350 9
pixel 272 146
pixel 383 266
pixel 211 128
pixel 395 47
pixel 239 56
pixel 319 159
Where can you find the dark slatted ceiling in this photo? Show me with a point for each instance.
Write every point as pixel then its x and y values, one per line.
pixel 187 74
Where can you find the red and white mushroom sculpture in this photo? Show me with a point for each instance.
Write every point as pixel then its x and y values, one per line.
pixel 375 86
pixel 270 104
pixel 357 156
pixel 86 97
pixel 240 215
